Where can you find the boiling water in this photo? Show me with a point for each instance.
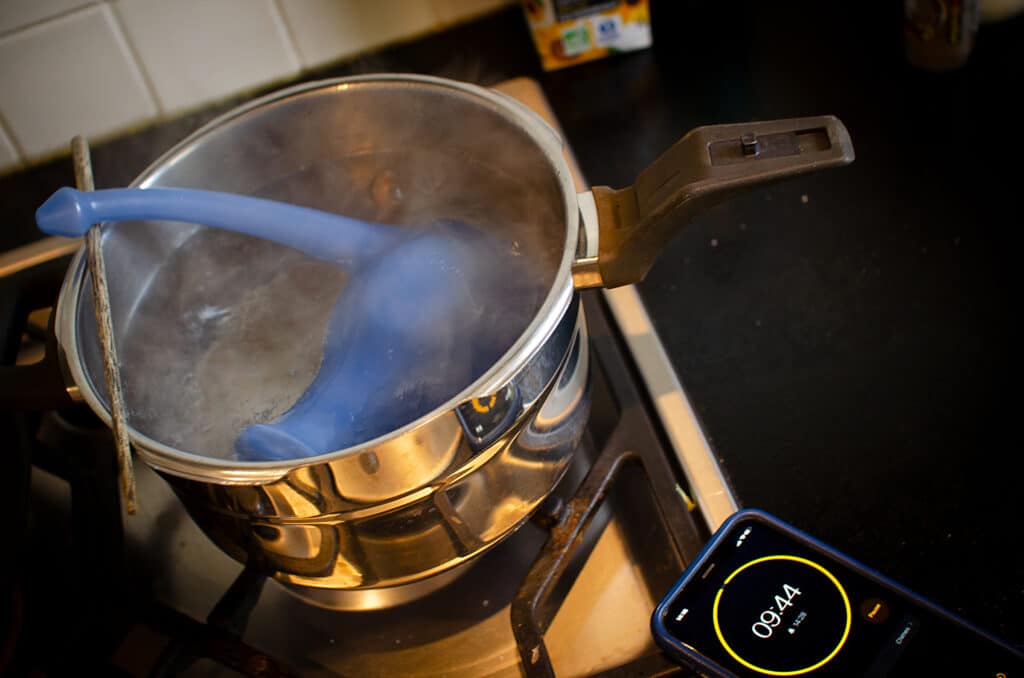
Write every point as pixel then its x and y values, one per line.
pixel 231 331
pixel 247 343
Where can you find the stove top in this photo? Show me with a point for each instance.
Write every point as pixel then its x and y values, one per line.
pixel 568 594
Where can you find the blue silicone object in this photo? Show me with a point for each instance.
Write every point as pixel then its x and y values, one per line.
pixel 319 234
pixel 425 311
pixel 388 337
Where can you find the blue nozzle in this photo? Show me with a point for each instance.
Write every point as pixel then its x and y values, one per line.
pixel 323 235
pixel 65 213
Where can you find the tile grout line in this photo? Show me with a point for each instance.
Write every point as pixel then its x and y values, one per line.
pixel 46 19
pixel 284 27
pixel 8 133
pixel 140 68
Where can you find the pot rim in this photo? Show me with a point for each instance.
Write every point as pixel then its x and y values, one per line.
pixel 199 467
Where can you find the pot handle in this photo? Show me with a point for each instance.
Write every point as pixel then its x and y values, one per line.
pixel 708 165
pixel 40 385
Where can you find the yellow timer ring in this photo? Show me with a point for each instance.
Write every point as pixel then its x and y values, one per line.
pixel 796 672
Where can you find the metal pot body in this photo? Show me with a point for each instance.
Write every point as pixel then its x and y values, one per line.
pixel 307 531
pixel 432 494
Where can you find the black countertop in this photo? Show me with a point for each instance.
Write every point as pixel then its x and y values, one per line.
pixel 845 337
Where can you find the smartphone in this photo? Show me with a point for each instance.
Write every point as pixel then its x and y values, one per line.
pixel 764 599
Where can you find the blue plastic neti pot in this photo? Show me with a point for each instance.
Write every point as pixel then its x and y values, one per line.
pixel 382 340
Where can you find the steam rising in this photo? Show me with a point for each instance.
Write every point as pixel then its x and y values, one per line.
pixel 230 331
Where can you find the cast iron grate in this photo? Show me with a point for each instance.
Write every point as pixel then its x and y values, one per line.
pixel 631 446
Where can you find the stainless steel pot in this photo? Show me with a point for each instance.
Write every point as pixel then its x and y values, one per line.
pixel 445 487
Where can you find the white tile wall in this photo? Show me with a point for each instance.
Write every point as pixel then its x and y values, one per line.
pixel 99 67
pixel 16 14
pixel 70 75
pixel 9 157
pixel 327 30
pixel 200 50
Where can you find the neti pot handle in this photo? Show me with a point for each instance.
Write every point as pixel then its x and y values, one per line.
pixel 710 164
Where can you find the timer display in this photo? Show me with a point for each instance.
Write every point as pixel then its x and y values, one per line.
pixel 764 599
pixel 806 622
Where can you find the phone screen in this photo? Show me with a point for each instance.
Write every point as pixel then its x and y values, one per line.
pixel 766 601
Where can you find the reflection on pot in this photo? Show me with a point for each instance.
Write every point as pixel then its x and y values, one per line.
pixel 323 526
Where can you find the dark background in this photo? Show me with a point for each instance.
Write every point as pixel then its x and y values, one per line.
pixel 851 356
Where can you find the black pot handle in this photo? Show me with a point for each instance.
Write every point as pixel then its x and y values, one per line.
pixel 41 385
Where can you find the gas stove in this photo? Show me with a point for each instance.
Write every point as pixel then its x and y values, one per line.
pixel 569 594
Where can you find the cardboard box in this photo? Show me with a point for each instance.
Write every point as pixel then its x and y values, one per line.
pixel 569 32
